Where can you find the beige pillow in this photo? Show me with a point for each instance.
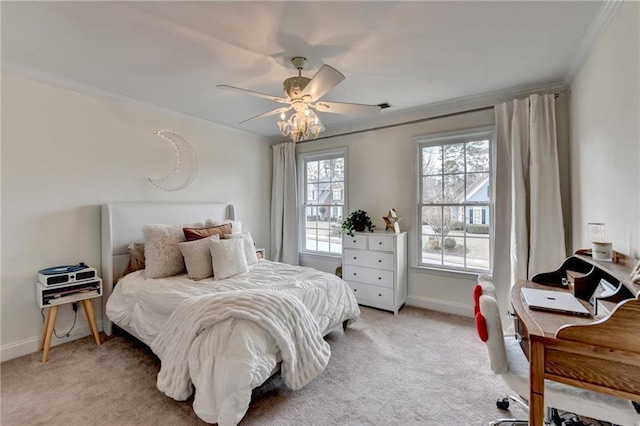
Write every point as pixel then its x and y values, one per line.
pixel 163 257
pixel 236 225
pixel 197 257
pixel 192 234
pixel 228 258
pixel 249 246
pixel 136 257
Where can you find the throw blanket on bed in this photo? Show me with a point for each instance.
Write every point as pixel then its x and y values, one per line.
pixel 304 352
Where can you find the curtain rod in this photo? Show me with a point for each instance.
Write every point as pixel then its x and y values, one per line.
pixel 405 123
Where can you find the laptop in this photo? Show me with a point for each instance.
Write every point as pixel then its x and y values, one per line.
pixel 553 301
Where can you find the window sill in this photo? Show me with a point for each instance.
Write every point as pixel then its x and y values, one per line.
pixel 466 275
pixel 326 256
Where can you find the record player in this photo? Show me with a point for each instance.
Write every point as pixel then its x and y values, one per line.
pixel 66 274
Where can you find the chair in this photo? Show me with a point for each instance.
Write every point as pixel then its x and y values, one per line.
pixel 508 360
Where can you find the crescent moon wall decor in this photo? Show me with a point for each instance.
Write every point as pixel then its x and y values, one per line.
pixel 176 177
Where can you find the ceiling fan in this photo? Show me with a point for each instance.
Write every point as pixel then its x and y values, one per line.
pixel 302 94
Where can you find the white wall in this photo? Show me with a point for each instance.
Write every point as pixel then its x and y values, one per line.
pixel 65 153
pixel 605 136
pixel 382 174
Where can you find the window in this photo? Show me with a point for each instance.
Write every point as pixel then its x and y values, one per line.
pixel 311 194
pixel 477 215
pixel 322 175
pixel 455 201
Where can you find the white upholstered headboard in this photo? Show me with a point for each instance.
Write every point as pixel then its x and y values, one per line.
pixel 122 223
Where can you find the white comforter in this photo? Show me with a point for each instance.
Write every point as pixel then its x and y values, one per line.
pixel 233 356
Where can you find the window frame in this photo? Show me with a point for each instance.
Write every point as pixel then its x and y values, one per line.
pixel 301 165
pixel 448 138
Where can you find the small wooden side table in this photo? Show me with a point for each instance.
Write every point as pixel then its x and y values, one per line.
pixel 50 322
pixel 51 298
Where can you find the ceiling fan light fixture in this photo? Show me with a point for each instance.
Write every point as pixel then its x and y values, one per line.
pixel 302 95
pixel 301 125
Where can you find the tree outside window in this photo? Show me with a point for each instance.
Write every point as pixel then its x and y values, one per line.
pixel 324 182
pixel 455 202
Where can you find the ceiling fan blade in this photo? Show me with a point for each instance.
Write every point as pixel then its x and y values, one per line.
pixel 347 108
pixel 267 114
pixel 252 93
pixel 325 79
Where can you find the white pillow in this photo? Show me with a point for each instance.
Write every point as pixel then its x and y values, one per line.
pixel 249 246
pixel 162 254
pixel 236 225
pixel 228 258
pixel 197 257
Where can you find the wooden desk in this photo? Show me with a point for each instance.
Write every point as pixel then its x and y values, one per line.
pixel 602 355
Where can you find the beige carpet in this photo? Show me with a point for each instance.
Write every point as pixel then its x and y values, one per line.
pixel 417 368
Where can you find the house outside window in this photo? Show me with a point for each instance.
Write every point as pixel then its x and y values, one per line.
pixel 455 200
pixel 322 177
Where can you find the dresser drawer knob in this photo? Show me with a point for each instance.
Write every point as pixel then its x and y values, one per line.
pixel 380 294
pixel 354 241
pixel 355 273
pixel 355 289
pixel 354 257
pixel 380 261
pixel 379 278
pixel 380 243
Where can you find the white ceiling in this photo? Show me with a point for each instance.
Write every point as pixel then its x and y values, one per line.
pixel 410 54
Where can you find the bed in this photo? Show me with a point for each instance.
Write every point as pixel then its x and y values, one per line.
pixel 222 337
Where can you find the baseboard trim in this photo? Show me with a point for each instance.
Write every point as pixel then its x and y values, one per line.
pixel 440 306
pixel 29 346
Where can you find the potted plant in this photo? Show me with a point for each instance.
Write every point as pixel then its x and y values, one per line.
pixel 357 221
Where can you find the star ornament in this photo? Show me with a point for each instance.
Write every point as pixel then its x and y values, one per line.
pixel 391 222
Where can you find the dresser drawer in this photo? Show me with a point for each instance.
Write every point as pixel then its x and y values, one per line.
pixel 380 243
pixel 357 241
pixel 370 293
pixel 369 259
pixel 381 277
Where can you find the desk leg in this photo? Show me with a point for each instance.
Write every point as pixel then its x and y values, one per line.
pixel 91 319
pixel 50 322
pixel 536 377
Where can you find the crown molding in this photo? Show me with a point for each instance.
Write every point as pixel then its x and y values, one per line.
pixel 43 77
pixel 459 105
pixel 591 37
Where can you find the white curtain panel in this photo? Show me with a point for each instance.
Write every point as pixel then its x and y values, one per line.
pixel 529 231
pixel 546 238
pixel 284 204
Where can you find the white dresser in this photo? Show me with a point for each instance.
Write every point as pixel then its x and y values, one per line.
pixel 375 266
